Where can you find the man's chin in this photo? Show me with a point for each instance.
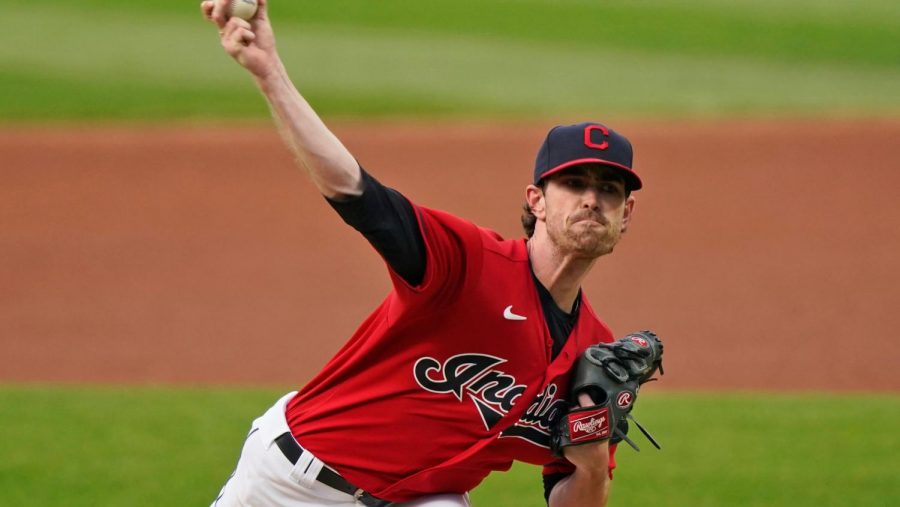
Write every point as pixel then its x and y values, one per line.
pixel 594 247
pixel 599 251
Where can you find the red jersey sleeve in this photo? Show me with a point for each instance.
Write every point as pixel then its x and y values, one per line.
pixel 452 253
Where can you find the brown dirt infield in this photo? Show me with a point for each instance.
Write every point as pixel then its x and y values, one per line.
pixel 765 253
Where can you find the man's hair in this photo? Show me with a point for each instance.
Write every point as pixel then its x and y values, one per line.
pixel 528 218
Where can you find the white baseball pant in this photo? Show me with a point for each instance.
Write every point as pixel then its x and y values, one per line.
pixel 265 478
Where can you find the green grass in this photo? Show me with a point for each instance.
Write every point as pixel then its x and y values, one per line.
pixel 118 446
pixel 751 450
pixel 157 58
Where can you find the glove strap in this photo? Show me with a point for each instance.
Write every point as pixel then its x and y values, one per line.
pixel 644 431
pixel 588 424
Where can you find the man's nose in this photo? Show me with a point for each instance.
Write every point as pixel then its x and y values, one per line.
pixel 590 199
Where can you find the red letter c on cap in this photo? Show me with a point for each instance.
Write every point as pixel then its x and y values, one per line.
pixel 591 144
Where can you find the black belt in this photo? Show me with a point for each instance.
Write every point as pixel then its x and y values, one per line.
pixel 327 476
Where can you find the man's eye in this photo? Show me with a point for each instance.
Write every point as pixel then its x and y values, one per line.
pixel 574 183
pixel 609 188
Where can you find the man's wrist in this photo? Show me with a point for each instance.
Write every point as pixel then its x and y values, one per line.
pixel 272 78
pixel 591 460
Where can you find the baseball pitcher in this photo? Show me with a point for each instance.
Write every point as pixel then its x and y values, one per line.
pixel 485 351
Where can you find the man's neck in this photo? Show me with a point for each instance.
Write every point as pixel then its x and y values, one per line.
pixel 561 274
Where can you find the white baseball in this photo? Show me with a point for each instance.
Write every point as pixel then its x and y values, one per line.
pixel 244 9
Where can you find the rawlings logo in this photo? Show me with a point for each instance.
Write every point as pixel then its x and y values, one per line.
pixel 589 426
pixel 491 390
pixel 624 399
pixel 593 425
pixel 641 341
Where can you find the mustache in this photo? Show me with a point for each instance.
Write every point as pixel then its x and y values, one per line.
pixel 589 215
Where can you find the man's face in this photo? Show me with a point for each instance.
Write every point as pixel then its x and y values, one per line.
pixel 586 210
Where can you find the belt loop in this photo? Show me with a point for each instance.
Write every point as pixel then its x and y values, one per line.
pixel 307 469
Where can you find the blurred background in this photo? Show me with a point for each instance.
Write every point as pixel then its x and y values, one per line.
pixel 167 272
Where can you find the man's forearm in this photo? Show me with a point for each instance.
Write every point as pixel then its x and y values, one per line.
pixel 581 489
pixel 252 44
pixel 588 485
pixel 330 165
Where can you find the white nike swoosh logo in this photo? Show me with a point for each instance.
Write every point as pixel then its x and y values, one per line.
pixel 509 315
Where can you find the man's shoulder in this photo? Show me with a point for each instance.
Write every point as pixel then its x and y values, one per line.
pixel 490 240
pixel 511 249
pixel 445 219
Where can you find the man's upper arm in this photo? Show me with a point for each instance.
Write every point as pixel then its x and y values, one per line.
pixel 388 221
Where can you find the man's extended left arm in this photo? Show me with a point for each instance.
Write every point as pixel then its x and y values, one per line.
pixel 588 485
pixel 605 383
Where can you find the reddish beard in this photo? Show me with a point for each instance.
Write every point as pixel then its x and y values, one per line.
pixel 586 240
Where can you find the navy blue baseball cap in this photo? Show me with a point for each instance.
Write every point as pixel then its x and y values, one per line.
pixel 585 143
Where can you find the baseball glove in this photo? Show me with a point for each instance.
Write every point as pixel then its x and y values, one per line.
pixel 611 374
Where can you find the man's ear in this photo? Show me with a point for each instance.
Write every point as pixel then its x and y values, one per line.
pixel 534 196
pixel 628 212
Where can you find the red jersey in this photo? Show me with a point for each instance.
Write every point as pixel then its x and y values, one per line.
pixel 448 380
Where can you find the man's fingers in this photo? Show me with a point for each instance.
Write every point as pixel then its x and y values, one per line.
pixel 261 9
pixel 206 7
pixel 236 36
pixel 217 15
pixel 238 30
pixel 585 400
pixel 238 23
pixel 244 37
